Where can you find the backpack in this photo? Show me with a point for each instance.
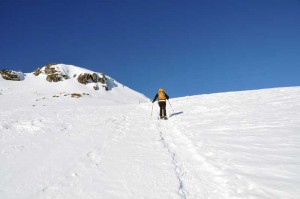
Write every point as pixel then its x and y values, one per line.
pixel 161 94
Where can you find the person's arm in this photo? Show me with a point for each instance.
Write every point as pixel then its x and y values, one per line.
pixel 156 96
pixel 167 96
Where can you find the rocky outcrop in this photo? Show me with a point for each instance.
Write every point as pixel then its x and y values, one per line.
pixel 53 74
pixel 54 78
pixel 95 77
pixel 50 64
pixel 60 72
pixel 87 77
pixel 76 95
pixel 37 71
pixel 103 81
pixel 84 78
pixel 12 75
pixel 49 70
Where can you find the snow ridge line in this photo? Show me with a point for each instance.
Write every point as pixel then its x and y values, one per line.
pixel 178 170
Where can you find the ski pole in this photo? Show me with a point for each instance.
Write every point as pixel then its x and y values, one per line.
pixel 171 106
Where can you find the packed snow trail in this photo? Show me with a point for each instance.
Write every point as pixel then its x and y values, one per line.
pixel 224 146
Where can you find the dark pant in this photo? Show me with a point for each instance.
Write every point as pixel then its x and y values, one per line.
pixel 162 106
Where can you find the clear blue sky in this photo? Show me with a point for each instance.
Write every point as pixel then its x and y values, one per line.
pixel 186 47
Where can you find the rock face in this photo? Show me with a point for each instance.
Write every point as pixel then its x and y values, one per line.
pixel 12 75
pixel 103 81
pixel 37 71
pixel 49 70
pixel 54 78
pixel 86 78
pixel 58 72
pixel 53 74
pixel 95 77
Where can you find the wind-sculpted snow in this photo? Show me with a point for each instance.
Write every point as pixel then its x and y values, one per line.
pixel 220 146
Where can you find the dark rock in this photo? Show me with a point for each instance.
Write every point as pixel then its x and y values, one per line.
pixel 52 74
pixel 102 79
pixel 105 86
pixel 49 70
pixel 65 76
pixel 50 64
pixel 95 77
pixel 54 77
pixel 11 75
pixel 84 78
pixel 77 95
pixel 96 87
pixel 37 71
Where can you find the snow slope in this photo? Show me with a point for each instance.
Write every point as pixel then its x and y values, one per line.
pixel 227 145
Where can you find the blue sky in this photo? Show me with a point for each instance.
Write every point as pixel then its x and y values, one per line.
pixel 186 47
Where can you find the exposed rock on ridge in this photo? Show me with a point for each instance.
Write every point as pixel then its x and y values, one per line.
pixel 85 78
pixel 12 75
pixel 53 73
pixel 56 73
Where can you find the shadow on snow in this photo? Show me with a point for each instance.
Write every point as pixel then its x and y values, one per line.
pixel 178 113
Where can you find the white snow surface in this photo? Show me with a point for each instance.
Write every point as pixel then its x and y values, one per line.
pixel 106 144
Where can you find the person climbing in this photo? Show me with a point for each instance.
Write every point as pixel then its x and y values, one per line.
pixel 162 97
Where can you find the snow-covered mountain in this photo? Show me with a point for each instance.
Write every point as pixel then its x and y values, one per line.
pixel 60 83
pixel 106 144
